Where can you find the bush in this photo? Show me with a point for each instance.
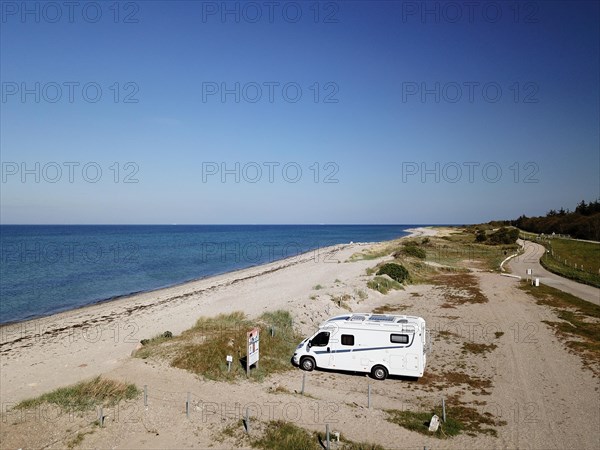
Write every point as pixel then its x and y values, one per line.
pixel 480 236
pixel 395 271
pixel 504 236
pixel 413 250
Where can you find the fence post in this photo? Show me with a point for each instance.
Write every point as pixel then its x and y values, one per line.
pixel 327 435
pixel 247 421
pixel 444 409
pixel 145 395
pixel 187 406
pixel 101 417
pixel 369 396
pixel 303 382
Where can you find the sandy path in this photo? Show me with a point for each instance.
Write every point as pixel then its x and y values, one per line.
pixel 543 393
pixel 530 259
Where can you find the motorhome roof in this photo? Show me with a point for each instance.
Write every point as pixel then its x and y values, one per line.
pixel 373 318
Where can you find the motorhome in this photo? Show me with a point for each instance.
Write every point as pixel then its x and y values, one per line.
pixel 379 344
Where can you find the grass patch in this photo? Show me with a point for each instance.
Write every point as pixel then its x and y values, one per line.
pixel 383 284
pixel 78 439
pixel 419 422
pixel 374 253
pixel 317 287
pixel 438 382
pixel 576 260
pixel 579 327
pixel 342 301
pixel 387 308
pixel 279 434
pixel 459 288
pixel 478 349
pixel 460 418
pixel 203 348
pixel 412 249
pixel 362 295
pixel 85 396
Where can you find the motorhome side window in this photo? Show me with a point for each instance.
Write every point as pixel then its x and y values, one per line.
pixel 321 339
pixel 399 338
pixel 347 339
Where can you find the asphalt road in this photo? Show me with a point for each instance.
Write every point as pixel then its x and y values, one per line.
pixel 530 259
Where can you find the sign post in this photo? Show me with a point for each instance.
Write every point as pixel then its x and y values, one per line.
pixel 252 353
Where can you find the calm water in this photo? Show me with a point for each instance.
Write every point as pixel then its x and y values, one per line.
pixel 49 268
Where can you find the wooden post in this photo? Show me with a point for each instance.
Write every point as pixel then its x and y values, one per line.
pixel 187 406
pixel 444 409
pixel 145 395
pixel 327 436
pixel 369 396
pixel 303 382
pixel 247 420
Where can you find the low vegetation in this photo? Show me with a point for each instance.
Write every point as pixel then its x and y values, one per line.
pixel 395 271
pixel 458 289
pixel 85 396
pixel 412 248
pixel 279 434
pixel 576 260
pixel 459 419
pixel 471 347
pixel 389 309
pixel 579 325
pixel 203 348
pixel 383 284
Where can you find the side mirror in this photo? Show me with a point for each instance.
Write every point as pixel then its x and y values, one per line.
pixel 309 344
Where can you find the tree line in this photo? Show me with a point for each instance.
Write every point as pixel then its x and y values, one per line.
pixel 582 223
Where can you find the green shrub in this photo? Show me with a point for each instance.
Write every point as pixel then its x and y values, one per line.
pixel 413 250
pixel 395 271
pixel 480 236
pixel 383 284
pixel 504 236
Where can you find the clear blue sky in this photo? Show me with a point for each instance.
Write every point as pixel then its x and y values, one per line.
pixel 375 120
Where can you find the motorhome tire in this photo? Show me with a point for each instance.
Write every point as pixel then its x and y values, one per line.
pixel 379 372
pixel 307 363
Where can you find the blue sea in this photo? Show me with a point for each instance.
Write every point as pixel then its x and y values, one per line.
pixel 45 269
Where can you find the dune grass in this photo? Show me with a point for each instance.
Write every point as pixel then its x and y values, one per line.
pixel 279 434
pixel 203 348
pixel 85 395
pixel 460 418
pixel 383 284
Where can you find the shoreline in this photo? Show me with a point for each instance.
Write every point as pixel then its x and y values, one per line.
pixel 131 295
pixel 238 275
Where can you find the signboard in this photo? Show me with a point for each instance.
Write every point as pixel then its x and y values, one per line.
pixel 252 354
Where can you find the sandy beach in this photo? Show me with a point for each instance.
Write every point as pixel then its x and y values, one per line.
pixel 525 384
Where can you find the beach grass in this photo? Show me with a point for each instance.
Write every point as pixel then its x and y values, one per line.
pixel 279 434
pixel 459 419
pixel 383 284
pixel 85 395
pixel 203 348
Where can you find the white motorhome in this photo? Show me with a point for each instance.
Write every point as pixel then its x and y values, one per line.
pixel 380 344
